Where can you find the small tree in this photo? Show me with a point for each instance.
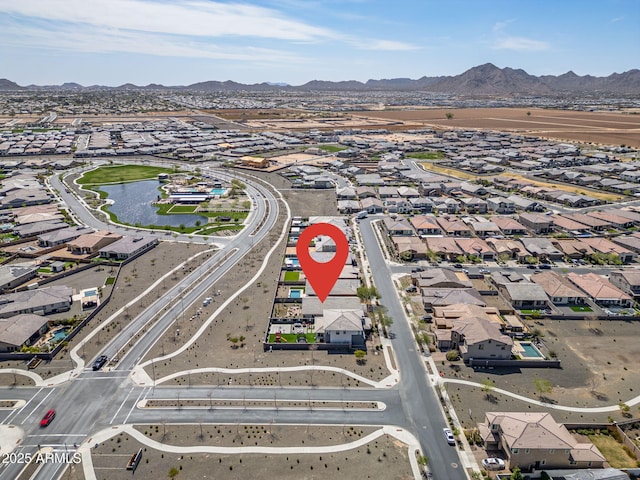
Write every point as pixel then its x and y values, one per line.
pixel 173 472
pixel 360 354
pixel 516 474
pixel 453 355
pixel 423 460
pixel 449 115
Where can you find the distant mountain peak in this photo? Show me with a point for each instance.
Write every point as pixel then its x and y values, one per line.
pixel 485 79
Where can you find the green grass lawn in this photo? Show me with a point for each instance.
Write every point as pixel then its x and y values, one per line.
pixel 425 155
pixel 331 148
pixel 121 173
pixel 613 451
pixel 293 337
pixel 183 209
pixel 110 281
pixel 291 276
pixel 581 308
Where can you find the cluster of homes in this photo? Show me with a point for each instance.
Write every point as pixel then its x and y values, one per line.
pixel 299 317
pixel 525 237
pixel 29 142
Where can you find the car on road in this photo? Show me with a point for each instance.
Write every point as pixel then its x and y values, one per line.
pixel 48 418
pixel 532 267
pixel 493 464
pixel 457 265
pixel 100 362
pixel 448 435
pixel 484 271
pixel 545 266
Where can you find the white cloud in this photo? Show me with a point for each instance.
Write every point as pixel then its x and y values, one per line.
pixel 520 44
pixel 193 18
pixel 498 26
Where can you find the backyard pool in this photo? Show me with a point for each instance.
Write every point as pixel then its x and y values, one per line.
pixel 295 293
pixel 218 191
pixel 530 351
pixel 60 334
pixel 90 293
pixel 293 262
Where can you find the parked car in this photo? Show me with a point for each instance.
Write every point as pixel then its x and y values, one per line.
pixel 532 267
pixel 545 266
pixel 48 418
pixel 484 271
pixel 448 435
pixel 100 362
pixel 457 265
pixel 411 289
pixel 493 464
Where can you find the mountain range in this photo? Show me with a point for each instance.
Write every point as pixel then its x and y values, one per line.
pixel 484 79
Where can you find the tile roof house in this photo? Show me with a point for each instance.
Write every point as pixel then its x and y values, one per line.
pixel 627 281
pixel 601 290
pixel 509 226
pixel 476 247
pixel 62 236
pixel 536 222
pixel 513 248
pixel 397 227
pixel 91 243
pixel 560 290
pixel 453 226
pixel 602 245
pixel 425 225
pixel 409 248
pixel 342 327
pixel 542 248
pixel 372 205
pixel 440 278
pixel 572 248
pixel 444 247
pixel 533 440
pixel 478 338
pixel 439 297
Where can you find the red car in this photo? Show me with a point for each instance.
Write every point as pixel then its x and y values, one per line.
pixel 47 419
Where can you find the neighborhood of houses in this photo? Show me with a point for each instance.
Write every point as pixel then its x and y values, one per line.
pixel 299 320
pixel 507 215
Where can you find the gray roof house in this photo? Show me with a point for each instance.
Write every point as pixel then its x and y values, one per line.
pixel 20 330
pixel 16 274
pixel 41 301
pixel 128 247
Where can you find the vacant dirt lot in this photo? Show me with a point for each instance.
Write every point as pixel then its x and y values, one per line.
pixel 383 458
pixel 598 127
pixel 598 369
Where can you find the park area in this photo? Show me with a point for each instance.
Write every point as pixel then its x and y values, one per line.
pixel 120 174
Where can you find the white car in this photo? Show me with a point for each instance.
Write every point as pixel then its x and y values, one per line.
pixel 448 434
pixel 493 464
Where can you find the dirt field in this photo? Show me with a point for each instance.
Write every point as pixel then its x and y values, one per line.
pixel 383 458
pixel 610 128
pixel 598 369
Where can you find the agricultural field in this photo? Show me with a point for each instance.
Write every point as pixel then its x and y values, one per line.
pixel 611 128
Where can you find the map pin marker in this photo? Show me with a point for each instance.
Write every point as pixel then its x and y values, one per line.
pixel 322 276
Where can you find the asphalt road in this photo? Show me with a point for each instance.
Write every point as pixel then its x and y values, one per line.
pixel 94 400
pixel 420 403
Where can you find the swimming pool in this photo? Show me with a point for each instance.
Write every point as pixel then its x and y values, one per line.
pixel 60 334
pixel 218 191
pixel 293 262
pixel 530 351
pixel 90 293
pixel 295 293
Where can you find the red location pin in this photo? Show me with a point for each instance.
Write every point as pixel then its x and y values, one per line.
pixel 322 276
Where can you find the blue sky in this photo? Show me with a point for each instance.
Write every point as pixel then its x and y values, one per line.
pixel 178 42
